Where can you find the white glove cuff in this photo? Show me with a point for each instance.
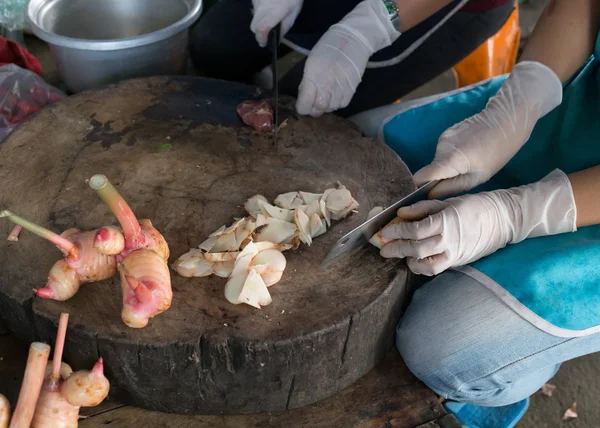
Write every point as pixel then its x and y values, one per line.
pixel 363 21
pixel 544 208
pixel 539 83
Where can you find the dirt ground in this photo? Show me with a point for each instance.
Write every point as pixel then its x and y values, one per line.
pixel 578 380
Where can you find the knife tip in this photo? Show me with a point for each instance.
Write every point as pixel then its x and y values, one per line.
pixel 327 262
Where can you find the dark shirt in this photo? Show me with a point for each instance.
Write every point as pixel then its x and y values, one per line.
pixel 318 15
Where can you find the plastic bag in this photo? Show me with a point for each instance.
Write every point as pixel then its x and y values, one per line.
pixel 12 20
pixel 21 94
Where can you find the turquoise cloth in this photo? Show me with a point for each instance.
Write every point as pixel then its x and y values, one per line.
pixel 472 416
pixel 552 281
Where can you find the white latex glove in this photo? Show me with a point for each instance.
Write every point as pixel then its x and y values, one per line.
pixel 337 63
pixel 461 230
pixel 269 13
pixel 472 151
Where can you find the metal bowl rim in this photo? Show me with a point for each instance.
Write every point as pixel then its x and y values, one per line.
pixel 119 44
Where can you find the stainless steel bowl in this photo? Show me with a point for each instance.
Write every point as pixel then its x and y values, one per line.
pixel 96 42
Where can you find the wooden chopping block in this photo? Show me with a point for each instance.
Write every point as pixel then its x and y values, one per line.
pixel 324 329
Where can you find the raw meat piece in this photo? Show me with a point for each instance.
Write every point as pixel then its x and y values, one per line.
pixel 257 114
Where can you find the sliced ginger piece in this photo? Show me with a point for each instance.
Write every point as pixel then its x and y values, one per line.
pixel 317 226
pixel 269 264
pixel 285 200
pixel 252 205
pixel 309 198
pixel 244 231
pixel 223 269
pixel 254 292
pixel 283 214
pixel 240 271
pixel 193 264
pixel 221 257
pixel 274 230
pixel 313 208
pixel 303 224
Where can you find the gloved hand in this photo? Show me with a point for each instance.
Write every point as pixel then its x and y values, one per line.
pixel 269 13
pixel 472 151
pixel 461 230
pixel 337 63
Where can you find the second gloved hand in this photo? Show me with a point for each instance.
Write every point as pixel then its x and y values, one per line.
pixel 472 151
pixel 269 13
pixel 337 63
pixel 438 235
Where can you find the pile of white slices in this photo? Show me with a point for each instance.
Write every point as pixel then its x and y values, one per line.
pixel 250 251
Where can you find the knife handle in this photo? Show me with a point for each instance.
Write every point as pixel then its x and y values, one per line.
pixel 274 37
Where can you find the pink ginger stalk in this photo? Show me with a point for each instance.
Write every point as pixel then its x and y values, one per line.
pixel 31 386
pixel 52 410
pixel 59 346
pixel 138 234
pixel 14 234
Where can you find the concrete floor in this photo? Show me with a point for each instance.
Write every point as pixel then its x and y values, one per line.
pixel 578 380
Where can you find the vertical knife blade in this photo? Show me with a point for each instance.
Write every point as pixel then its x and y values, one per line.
pixel 355 239
pixel 275 35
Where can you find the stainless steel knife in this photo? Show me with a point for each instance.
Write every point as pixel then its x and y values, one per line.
pixel 358 237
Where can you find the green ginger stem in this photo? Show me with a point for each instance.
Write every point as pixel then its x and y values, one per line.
pixel 59 241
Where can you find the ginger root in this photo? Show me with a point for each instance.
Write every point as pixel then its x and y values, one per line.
pixel 64 391
pixel 143 257
pixel 82 262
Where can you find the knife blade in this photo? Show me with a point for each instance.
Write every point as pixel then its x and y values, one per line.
pixel 274 36
pixel 355 239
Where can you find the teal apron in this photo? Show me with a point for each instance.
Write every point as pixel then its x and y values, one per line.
pixel 554 281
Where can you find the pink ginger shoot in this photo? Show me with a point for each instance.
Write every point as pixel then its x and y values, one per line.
pixel 14 234
pixel 98 368
pixel 134 238
pixel 142 292
pixel 109 240
pixel 138 234
pixel 58 348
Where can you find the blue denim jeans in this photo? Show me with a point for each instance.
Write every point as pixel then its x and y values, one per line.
pixel 466 345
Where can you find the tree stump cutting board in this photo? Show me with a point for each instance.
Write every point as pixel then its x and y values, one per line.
pixel 324 329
